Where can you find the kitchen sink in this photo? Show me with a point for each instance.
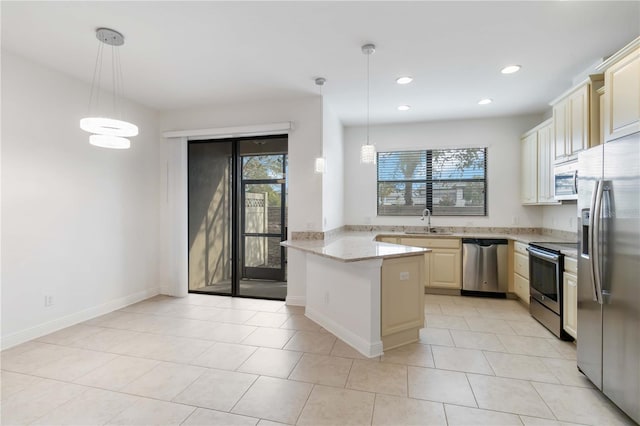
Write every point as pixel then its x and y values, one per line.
pixel 433 232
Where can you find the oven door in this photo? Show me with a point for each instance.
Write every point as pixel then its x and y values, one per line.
pixel 544 278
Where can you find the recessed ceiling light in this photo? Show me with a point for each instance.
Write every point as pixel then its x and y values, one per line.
pixel 404 107
pixel 404 80
pixel 510 69
pixel 485 101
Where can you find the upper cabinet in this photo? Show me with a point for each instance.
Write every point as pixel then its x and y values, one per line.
pixel 537 154
pixel 576 119
pixel 621 114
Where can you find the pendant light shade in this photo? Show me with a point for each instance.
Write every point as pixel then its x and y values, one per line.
pixel 108 132
pixel 368 151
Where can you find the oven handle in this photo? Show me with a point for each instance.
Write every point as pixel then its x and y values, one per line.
pixel 595 238
pixel 543 255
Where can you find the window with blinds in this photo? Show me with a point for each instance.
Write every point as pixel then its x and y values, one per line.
pixel 449 182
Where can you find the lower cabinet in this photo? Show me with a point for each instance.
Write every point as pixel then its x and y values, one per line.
pixel 401 300
pixel 521 271
pixel 570 298
pixel 443 264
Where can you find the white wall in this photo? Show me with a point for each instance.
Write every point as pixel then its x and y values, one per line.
pixel 333 179
pixel 79 223
pixel 563 217
pixel 500 135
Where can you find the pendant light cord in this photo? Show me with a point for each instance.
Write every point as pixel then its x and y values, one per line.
pixel 368 88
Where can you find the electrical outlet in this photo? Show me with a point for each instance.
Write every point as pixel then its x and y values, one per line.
pixel 48 301
pixel 404 276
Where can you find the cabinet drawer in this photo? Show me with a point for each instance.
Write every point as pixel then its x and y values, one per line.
pixel 570 265
pixel 452 243
pixel 521 248
pixel 521 265
pixel 392 240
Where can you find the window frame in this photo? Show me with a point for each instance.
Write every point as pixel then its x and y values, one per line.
pixel 429 182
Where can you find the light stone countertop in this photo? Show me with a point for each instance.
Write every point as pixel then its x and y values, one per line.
pixel 353 246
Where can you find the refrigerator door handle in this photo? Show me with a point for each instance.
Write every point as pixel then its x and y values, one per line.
pixel 595 255
pixel 592 208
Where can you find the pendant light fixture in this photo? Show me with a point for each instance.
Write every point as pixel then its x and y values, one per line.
pixel 368 151
pixel 108 132
pixel 320 164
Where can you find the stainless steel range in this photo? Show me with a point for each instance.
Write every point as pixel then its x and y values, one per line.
pixel 546 265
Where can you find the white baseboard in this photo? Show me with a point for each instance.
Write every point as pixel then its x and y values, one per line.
pixel 296 300
pixel 361 345
pixel 72 319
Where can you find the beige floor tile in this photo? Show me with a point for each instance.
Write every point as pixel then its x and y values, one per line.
pixel 74 365
pixel 300 322
pixel 216 389
pixel 463 416
pixel 147 412
pixel 142 345
pixel 235 316
pixel 580 405
pixel 508 395
pixel 436 336
pixel 467 360
pixel 29 358
pixel 195 329
pixel 432 308
pixel 446 321
pixel 512 314
pixel 69 335
pixel 322 369
pixel 536 421
pixel 477 340
pixel 150 306
pixel 524 345
pixel 36 400
pixel 264 422
pixel 205 417
pixel 274 399
pixel 117 373
pixel 331 406
pixel 231 333
pixel 531 328
pixel 93 407
pixel 11 383
pixel 310 341
pixel 441 299
pixel 440 386
pixel 291 310
pixel 269 337
pixel 224 356
pixel 412 354
pixel 490 325
pixel 179 349
pixel 165 381
pixel 397 410
pixel 271 362
pixel 342 349
pixel 379 377
pixel 196 312
pixel 459 310
pixel 267 319
pixel 256 304
pixel 566 349
pixel 567 373
pixel 520 367
pixel 106 340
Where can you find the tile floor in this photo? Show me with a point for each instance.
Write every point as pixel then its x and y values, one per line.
pixel 211 360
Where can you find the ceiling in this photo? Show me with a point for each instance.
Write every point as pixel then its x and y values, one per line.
pixel 189 54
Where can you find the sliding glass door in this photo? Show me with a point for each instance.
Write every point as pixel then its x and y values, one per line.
pixel 237 217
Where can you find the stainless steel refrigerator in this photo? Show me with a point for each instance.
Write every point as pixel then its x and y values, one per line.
pixel 609 270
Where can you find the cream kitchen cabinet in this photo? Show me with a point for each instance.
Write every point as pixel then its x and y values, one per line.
pixel 536 171
pixel 570 297
pixel 576 119
pixel 443 263
pixel 621 113
pixel 521 271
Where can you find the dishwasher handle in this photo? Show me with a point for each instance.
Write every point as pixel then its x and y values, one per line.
pixel 485 242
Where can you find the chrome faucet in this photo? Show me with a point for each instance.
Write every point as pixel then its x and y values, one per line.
pixel 428 213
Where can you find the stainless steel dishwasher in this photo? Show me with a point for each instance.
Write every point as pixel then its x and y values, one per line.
pixel 484 266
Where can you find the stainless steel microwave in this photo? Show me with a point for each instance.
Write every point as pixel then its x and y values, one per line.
pixel 565 181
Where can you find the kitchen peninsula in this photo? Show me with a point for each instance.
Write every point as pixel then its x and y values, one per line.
pixel 368 293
